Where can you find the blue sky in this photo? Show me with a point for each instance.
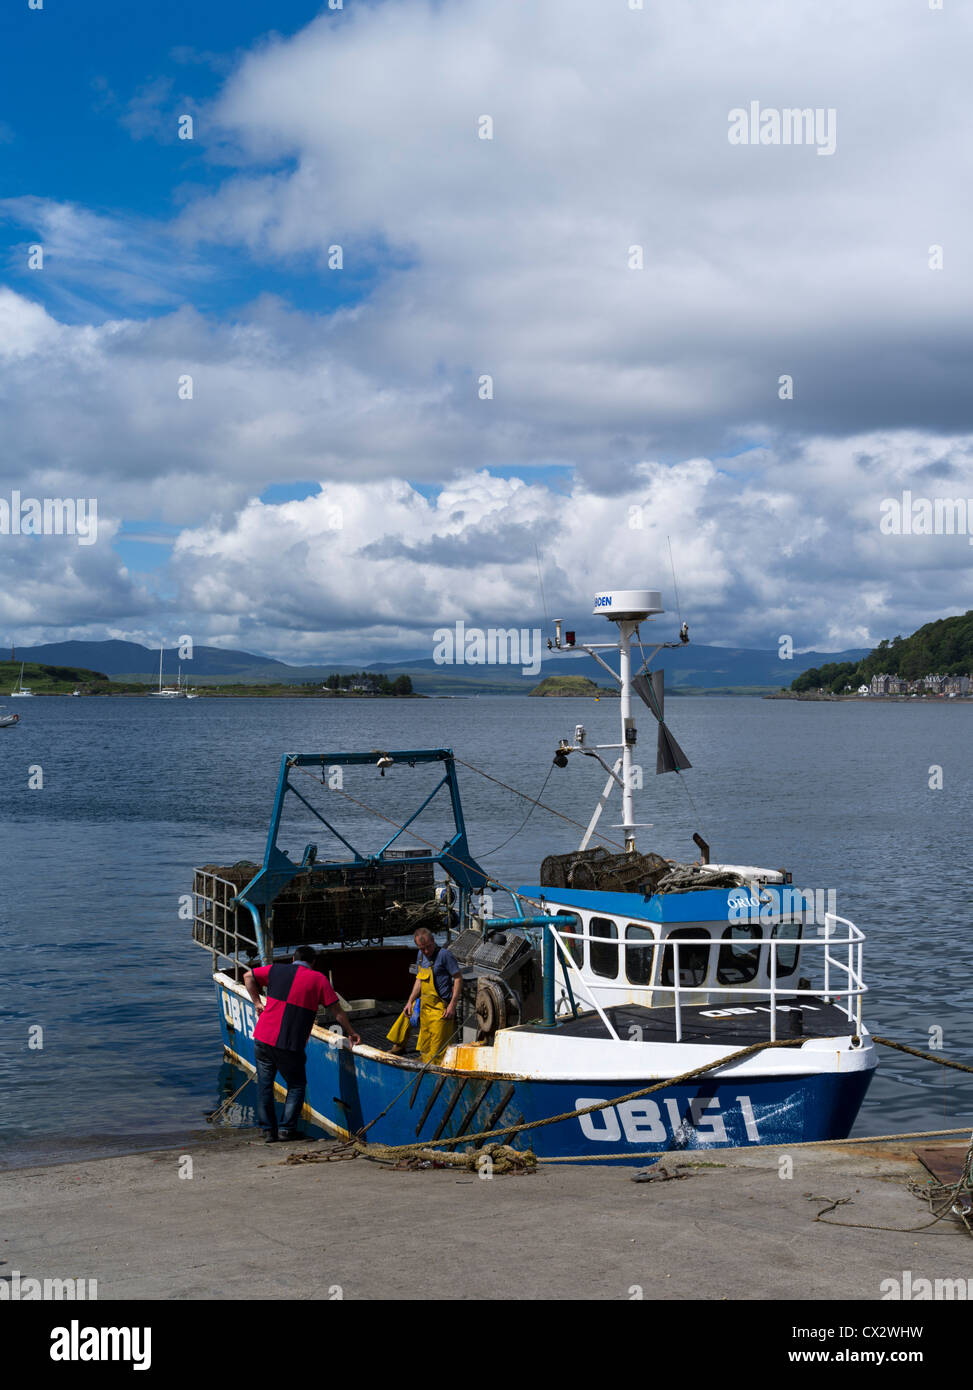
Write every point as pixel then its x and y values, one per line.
pixel 371 450
pixel 74 83
pixel 91 101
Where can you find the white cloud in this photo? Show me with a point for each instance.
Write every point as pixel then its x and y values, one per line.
pixel 510 257
pixel 374 567
pixel 611 130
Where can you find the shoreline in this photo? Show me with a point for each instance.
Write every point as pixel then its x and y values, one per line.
pixel 871 699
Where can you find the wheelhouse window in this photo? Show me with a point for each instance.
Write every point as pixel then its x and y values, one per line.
pixel 572 923
pixel 639 960
pixel 739 958
pixel 693 960
pixel 787 956
pixel 602 956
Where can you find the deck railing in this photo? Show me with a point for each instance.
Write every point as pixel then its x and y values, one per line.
pixel 848 996
pixel 215 920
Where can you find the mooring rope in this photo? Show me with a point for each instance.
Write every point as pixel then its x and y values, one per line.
pixel 926 1056
pixel 384 1151
pixel 525 1125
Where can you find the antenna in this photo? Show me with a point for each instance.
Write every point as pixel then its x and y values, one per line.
pixel 540 581
pixel 675 588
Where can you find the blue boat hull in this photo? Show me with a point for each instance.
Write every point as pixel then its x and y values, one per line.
pixel 347 1091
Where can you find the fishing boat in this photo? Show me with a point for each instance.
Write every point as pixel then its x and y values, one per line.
pixel 622 1006
pixel 22 692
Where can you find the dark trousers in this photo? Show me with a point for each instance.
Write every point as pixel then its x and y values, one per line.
pixel 291 1065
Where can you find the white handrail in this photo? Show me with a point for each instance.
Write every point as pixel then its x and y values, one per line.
pixel 855 986
pixel 676 987
pixel 572 965
pixel 773 995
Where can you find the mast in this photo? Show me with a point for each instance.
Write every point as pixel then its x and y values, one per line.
pixel 160 667
pixel 625 632
pixel 627 608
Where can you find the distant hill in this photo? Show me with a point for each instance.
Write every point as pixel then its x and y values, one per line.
pixel 131 659
pixel 692 667
pixel 941 648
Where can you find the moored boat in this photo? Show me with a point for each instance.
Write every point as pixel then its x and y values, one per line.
pixel 170 692
pixel 623 1005
pixel 23 692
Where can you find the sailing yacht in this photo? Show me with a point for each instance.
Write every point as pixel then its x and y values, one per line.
pixel 167 692
pixel 22 691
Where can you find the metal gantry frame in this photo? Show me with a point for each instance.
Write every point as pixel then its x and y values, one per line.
pixel 278 869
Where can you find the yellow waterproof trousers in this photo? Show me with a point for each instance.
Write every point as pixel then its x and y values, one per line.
pixel 399 1032
pixel 435 1031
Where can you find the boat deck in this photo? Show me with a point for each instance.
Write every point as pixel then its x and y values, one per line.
pixel 816 1019
pixel 796 1017
pixel 373 1030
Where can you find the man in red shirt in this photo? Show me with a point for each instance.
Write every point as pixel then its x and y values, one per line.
pixel 294 994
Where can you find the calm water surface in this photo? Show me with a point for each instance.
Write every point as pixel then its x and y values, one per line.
pixel 136 792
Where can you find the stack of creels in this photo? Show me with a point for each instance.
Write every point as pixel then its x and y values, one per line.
pixel 309 914
pixel 557 869
pixel 620 873
pixel 594 870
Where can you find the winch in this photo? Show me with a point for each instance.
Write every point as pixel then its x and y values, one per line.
pixel 501 982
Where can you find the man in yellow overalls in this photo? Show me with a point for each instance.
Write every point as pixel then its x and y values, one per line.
pixel 439 982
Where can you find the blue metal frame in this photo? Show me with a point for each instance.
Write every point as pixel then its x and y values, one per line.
pixel 278 868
